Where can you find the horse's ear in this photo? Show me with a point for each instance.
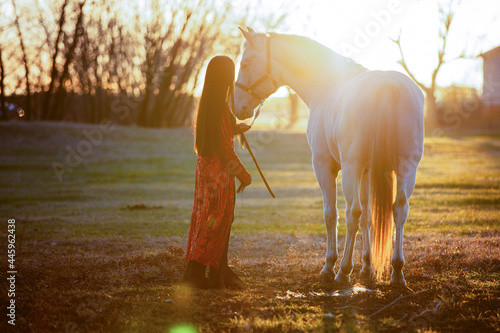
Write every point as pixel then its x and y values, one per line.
pixel 250 30
pixel 246 35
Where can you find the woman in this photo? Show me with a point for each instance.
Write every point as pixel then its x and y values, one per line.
pixel 218 164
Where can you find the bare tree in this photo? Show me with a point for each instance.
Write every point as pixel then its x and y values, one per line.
pixel 11 70
pixel 446 15
pixel 25 61
pixel 105 67
pixel 100 52
pixel 91 66
pixel 174 56
pixel 58 110
pixel 43 29
pixel 182 67
pixel 154 38
pixel 54 73
pixel 3 108
pixel 166 79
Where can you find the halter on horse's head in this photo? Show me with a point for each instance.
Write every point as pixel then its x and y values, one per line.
pixel 256 80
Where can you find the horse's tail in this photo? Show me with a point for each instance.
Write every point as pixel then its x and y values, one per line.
pixel 381 174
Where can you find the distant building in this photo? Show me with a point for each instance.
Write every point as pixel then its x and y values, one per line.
pixel 491 83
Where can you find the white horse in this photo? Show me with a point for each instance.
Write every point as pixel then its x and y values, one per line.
pixel 367 123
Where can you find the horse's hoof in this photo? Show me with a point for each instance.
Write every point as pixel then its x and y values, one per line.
pixel 367 273
pixel 398 284
pixel 398 280
pixel 326 277
pixel 342 278
pixel 368 277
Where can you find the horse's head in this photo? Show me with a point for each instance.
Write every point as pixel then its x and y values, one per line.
pixel 257 77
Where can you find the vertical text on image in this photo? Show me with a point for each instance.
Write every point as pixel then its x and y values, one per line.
pixel 11 272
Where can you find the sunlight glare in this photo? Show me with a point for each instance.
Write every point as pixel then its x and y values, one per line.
pixel 362 30
pixel 183 329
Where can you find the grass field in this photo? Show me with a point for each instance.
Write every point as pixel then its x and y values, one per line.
pixel 101 248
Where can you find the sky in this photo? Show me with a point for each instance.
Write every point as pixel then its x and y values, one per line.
pixel 363 31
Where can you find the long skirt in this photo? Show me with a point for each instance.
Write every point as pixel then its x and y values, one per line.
pixel 213 212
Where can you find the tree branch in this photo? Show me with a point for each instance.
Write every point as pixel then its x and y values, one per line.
pixel 3 108
pixel 425 311
pixel 402 62
pixel 394 302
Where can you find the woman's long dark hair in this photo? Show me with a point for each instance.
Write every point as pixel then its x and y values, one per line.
pixel 217 95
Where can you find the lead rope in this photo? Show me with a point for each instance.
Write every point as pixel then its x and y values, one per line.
pixel 241 188
pixel 257 113
pixel 245 142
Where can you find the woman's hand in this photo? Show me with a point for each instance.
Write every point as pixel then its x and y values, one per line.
pixel 245 184
pixel 248 182
pixel 242 128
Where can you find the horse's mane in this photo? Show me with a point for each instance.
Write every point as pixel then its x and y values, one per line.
pixel 321 59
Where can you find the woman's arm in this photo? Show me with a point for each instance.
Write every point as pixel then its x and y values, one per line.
pixel 229 157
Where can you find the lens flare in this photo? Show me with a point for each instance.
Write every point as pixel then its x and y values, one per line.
pixel 184 328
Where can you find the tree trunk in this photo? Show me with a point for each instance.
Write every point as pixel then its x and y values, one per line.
pixel 58 111
pixel 151 54
pixel 294 107
pixel 25 62
pixel 54 73
pixel 164 89
pixel 431 112
pixel 3 108
pixel 143 116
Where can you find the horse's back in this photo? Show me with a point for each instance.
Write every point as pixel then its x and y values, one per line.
pixel 376 101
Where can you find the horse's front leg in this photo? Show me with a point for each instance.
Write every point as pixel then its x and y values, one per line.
pixel 326 173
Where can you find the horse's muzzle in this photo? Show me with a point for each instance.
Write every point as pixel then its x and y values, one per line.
pixel 244 114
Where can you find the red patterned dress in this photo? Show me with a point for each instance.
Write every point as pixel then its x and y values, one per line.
pixel 214 198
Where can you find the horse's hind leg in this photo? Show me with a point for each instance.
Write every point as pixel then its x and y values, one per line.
pixel 326 173
pixel 367 272
pixel 405 186
pixel 350 187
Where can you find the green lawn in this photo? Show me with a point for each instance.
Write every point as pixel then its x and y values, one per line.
pixel 101 247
